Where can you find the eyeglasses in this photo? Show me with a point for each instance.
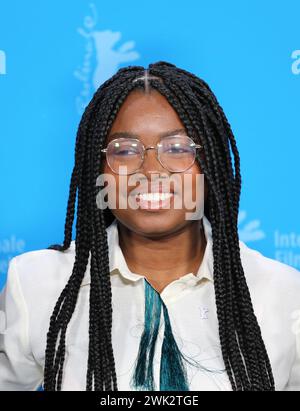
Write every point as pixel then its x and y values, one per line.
pixel 176 153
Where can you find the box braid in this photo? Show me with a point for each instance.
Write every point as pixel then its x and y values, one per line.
pixel 243 350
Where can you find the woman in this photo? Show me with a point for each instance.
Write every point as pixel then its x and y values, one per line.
pixel 145 298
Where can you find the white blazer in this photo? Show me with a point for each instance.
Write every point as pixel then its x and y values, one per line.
pixel 36 279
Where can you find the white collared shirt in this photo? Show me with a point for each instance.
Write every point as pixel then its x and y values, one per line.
pixel 35 280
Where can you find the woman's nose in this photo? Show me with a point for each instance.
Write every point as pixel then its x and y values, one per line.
pixel 151 163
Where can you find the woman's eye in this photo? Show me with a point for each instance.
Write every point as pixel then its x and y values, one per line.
pixel 125 152
pixel 177 150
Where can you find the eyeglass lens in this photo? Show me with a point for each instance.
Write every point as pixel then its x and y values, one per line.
pixel 175 153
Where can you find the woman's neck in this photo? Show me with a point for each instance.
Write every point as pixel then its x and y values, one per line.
pixel 165 259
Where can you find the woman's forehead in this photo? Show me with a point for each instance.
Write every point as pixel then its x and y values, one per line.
pixel 145 117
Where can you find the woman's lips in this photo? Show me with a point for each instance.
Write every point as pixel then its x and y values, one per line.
pixel 154 201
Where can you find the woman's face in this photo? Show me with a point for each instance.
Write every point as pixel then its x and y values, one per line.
pixel 148 116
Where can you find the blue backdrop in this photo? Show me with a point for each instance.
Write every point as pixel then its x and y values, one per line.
pixel 53 55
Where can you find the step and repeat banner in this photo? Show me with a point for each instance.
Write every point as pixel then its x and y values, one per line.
pixel 54 55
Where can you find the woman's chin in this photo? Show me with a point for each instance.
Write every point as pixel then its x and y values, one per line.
pixel 156 224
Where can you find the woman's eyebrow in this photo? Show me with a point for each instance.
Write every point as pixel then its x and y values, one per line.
pixel 126 134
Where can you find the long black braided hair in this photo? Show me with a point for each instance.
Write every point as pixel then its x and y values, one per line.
pixel 243 350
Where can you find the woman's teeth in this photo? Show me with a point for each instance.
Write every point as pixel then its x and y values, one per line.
pixel 154 196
